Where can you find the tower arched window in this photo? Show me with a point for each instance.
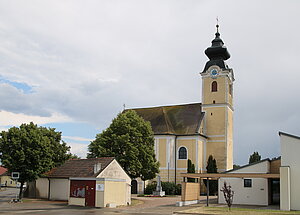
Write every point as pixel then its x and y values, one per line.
pixel 214 86
pixel 182 153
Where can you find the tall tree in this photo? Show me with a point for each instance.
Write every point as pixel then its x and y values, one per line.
pixel 190 169
pixel 31 151
pixel 130 140
pixel 212 168
pixel 211 165
pixel 254 157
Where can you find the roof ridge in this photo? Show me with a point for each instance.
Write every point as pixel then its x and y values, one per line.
pixel 163 106
pixel 97 158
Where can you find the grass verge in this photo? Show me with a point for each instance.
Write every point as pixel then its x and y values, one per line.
pixel 236 211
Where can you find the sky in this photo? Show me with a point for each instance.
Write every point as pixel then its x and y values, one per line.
pixel 72 65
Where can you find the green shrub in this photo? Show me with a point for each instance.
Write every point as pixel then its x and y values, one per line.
pixel 178 189
pixel 169 187
pixel 150 188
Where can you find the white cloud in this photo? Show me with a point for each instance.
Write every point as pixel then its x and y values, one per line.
pixel 13 119
pixel 77 138
pixel 86 59
pixel 3 129
pixel 80 149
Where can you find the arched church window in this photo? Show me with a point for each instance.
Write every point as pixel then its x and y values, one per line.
pixel 214 86
pixel 182 153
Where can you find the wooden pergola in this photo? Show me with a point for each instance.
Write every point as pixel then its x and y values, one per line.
pixel 209 176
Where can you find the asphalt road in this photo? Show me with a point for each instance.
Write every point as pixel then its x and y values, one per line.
pixel 150 206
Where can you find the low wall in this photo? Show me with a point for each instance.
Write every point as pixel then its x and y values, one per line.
pixel 190 191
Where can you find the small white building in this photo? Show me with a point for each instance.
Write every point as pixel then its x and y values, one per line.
pixel 253 191
pixel 289 172
pixel 62 183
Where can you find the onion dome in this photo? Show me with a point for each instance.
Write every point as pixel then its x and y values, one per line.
pixel 217 53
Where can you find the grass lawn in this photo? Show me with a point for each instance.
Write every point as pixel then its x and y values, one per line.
pixel 236 211
pixel 136 202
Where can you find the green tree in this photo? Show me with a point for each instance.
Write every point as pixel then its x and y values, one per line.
pixel 254 157
pixel 190 169
pixel 212 168
pixel 74 156
pixel 31 151
pixel 130 140
pixel 211 165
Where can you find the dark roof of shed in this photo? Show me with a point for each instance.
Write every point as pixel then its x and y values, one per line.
pixel 79 168
pixel 176 119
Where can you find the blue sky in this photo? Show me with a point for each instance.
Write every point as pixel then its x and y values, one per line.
pixel 25 88
pixel 73 64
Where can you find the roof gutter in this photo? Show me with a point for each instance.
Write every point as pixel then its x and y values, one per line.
pixel 178 135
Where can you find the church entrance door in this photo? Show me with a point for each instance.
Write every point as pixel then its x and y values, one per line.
pixel 134 187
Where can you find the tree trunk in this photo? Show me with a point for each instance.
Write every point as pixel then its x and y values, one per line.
pixel 21 190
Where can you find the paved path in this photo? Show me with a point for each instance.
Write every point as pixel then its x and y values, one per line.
pixel 150 206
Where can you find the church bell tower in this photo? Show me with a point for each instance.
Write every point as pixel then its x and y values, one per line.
pixel 217 103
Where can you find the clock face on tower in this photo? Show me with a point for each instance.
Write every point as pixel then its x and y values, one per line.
pixel 214 73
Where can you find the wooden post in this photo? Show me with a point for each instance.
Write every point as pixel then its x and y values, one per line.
pixel 207 192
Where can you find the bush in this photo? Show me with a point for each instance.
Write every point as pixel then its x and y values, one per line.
pixel 169 187
pixel 178 189
pixel 150 188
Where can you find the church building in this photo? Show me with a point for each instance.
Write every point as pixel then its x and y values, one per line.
pixel 197 130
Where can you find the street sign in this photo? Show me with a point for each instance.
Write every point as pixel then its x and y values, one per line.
pixel 15 175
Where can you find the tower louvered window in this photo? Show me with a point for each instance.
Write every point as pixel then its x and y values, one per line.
pixel 214 86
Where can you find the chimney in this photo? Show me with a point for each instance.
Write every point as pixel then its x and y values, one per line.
pixel 97 167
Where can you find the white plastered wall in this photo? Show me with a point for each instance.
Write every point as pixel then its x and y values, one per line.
pixel 255 195
pixel 114 170
pixel 59 189
pixel 42 188
pixel 290 148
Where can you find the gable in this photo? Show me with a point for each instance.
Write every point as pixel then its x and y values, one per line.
pixel 262 166
pixel 114 170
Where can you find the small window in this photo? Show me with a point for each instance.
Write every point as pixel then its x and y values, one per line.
pixel 214 86
pixel 182 153
pixel 247 182
pixel 214 102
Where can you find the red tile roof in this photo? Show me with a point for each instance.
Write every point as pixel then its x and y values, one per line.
pixel 2 170
pixel 79 168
